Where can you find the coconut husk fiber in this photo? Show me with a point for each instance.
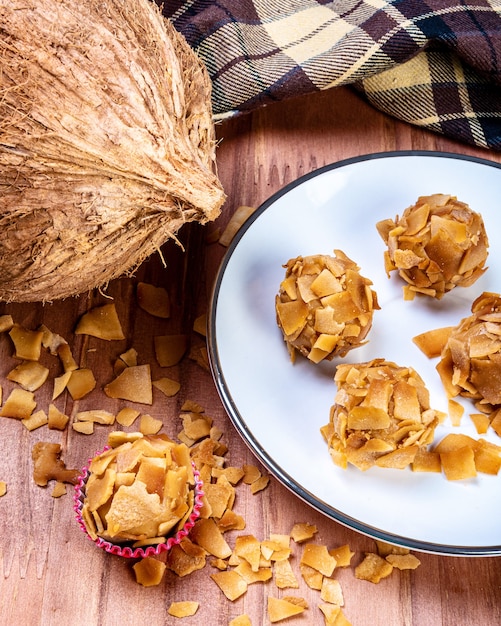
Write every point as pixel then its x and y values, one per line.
pixel 106 143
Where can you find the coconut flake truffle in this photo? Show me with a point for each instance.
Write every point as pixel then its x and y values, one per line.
pixel 139 492
pixel 381 416
pixel 324 306
pixel 439 243
pixel 470 363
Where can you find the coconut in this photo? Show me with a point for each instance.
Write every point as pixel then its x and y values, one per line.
pixel 107 143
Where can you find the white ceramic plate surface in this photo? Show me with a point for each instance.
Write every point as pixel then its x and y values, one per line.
pixel 278 407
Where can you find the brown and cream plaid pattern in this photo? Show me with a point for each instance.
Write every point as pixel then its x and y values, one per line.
pixel 433 63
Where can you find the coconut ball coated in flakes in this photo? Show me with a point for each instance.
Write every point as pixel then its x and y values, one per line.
pixel 324 306
pixel 381 416
pixel 437 244
pixel 470 362
pixel 141 491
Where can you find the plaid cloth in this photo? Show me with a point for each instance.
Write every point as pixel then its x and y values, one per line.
pixel 433 63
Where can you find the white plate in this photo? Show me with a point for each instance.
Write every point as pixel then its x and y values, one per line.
pixel 278 408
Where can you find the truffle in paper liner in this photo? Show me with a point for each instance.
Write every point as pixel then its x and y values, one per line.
pixel 101 477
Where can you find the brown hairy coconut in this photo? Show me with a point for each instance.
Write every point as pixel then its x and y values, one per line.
pixel 106 142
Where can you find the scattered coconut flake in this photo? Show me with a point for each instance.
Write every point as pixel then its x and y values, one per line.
pixel 133 384
pixel 153 300
pixel 127 416
pixel 101 322
pixel 36 420
pixel 149 571
pixel 170 349
pixel 236 221
pixel 185 608
pixel 168 386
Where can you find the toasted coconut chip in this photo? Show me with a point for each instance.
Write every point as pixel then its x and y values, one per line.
pixel 373 568
pixel 302 532
pixel 280 609
pixel 59 490
pixel 167 386
pixel 312 577
pixel 185 558
pixel 170 349
pixel 258 485
pixel 66 357
pixel 95 415
pixel 318 557
pixel 220 496
pixel 456 412
pixel 37 419
pixel 331 592
pixel 31 375
pixel 133 384
pixel 331 613
pixel 127 416
pixel 183 609
pixel 384 549
pixel 462 456
pixel 207 535
pixel 495 421
pixel 251 474
pixel 153 300
pixel 148 425
pixel 262 574
pixel 233 474
pixel 249 548
pixel 20 404
pixel 481 421
pixel 60 383
pixel 487 457
pixel 101 322
pixel 6 323
pixel 85 428
pixel 80 383
pixel 403 561
pixel 230 521
pixel 284 575
pixel 27 343
pixel 56 418
pixel 343 555
pixel 231 584
pixel 459 464
pixel 149 571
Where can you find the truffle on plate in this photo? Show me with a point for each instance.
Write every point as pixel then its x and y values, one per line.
pixel 381 416
pixel 437 244
pixel 324 306
pixel 470 363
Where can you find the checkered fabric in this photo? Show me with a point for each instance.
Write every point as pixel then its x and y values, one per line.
pixel 433 63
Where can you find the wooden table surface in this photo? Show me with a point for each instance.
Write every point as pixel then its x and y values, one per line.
pixel 52 574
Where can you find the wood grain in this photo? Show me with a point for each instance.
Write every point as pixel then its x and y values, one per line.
pixel 51 574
